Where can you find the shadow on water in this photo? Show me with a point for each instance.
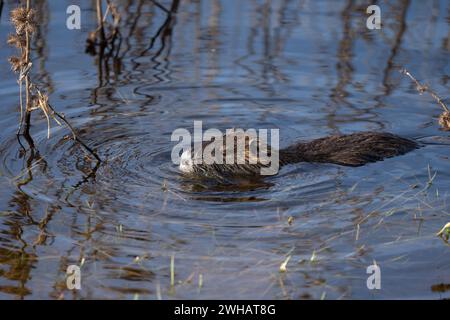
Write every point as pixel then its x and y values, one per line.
pixel 308 68
pixel 229 190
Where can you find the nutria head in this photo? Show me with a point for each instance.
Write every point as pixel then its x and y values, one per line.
pixel 186 162
pixel 249 156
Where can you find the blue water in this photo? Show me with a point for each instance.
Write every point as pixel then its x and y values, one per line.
pixel 308 68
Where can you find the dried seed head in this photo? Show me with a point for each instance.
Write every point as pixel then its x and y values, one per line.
pixel 19 15
pixel 23 20
pixel 15 62
pixel 444 120
pixel 19 19
pixel 16 40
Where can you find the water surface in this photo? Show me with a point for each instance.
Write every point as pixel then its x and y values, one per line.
pixel 309 68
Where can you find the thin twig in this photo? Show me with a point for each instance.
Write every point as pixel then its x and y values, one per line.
pixel 160 6
pixel 422 89
pixel 100 21
pixel 74 134
pixel 27 77
pixel 21 106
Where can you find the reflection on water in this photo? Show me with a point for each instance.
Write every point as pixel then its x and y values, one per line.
pixel 308 68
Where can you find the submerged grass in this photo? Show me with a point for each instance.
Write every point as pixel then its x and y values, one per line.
pixel 283 266
pixel 172 270
pixel 444 233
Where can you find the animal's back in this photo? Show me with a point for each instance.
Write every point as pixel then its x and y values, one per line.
pixel 354 149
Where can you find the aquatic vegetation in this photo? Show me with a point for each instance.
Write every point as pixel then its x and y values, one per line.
pixel 172 270
pixel 23 19
pixel 107 32
pixel 444 118
pixel 444 233
pixel 106 40
pixel 283 266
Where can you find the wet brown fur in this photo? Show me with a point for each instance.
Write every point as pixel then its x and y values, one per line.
pixel 352 150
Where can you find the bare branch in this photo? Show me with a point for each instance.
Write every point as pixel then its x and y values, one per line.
pixel 423 88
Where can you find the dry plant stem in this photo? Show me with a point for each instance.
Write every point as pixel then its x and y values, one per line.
pixel 21 106
pixel 22 18
pixel 422 89
pixel 108 7
pixel 100 21
pixel 27 78
pixel 74 134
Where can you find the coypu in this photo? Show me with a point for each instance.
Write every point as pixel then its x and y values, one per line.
pixel 352 150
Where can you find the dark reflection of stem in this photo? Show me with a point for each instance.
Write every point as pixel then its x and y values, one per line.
pixel 132 22
pixel 165 29
pixel 390 66
pixel 21 262
pixel 160 6
pixel 446 41
pixel 164 33
pixel 250 48
pixel 108 44
pixel 42 225
pixel 273 43
pixel 41 44
pixel 34 155
pixel 345 70
pixel 284 31
pixel 213 54
pixel 1 9
pixel 91 176
pixel 100 61
pixel 166 43
pixel 168 30
pixel 267 62
pixel 197 34
pixel 344 66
